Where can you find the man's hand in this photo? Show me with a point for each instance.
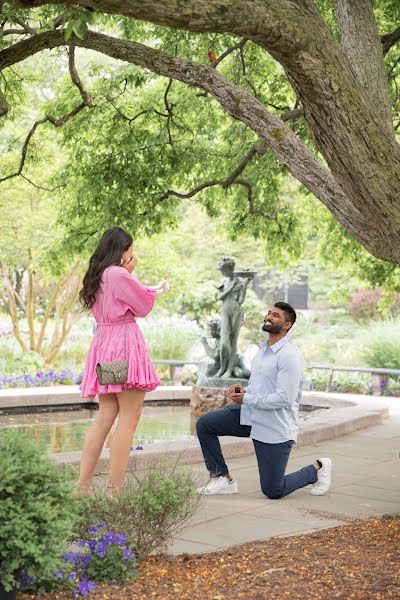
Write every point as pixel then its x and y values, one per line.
pixel 234 395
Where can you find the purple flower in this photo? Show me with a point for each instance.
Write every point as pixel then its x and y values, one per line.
pixel 120 539
pixel 111 537
pixel 25 578
pixel 72 576
pixel 83 588
pixel 92 545
pixel 58 574
pixel 69 557
pixel 139 448
pixel 82 543
pixel 86 560
pixel 127 553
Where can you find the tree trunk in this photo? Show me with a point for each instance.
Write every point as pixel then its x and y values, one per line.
pixel 363 48
pixel 30 310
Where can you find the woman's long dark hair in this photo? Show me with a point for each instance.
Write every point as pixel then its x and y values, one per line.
pixel 114 242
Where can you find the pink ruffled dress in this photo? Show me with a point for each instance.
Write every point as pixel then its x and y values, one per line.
pixel 120 299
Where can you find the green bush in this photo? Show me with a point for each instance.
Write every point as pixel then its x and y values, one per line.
pixel 169 337
pixel 382 345
pixel 36 510
pixel 151 508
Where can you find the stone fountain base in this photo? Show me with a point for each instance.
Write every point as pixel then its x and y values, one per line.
pixel 210 395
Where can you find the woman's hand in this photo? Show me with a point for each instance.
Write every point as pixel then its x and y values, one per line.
pixel 162 287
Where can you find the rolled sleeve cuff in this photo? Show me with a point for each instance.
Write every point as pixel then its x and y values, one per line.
pixel 247 399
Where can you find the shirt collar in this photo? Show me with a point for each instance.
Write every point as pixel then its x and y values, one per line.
pixel 277 346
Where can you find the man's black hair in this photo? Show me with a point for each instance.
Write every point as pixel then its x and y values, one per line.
pixel 290 313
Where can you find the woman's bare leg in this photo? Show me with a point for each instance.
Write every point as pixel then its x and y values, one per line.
pixel 107 443
pixel 130 408
pixel 94 439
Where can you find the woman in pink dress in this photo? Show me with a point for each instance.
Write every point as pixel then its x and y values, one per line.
pixel 116 298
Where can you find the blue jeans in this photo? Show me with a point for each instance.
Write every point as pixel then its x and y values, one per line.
pixel 271 458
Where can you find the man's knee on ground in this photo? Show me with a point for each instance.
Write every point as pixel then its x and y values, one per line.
pixel 272 493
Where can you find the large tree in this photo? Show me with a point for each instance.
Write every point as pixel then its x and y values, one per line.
pixel 332 54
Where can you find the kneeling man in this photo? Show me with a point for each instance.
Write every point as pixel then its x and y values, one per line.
pixel 268 412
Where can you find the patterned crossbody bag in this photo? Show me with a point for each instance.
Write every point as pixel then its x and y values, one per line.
pixel 115 371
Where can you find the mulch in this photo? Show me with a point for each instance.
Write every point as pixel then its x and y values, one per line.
pixel 360 560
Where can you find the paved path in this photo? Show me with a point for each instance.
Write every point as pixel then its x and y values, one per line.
pixel 366 482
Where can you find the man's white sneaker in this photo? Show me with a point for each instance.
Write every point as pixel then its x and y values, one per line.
pixel 219 485
pixel 324 478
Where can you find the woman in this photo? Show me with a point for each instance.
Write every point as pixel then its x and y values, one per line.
pixel 115 298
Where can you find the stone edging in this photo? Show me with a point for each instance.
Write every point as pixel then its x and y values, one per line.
pixel 344 417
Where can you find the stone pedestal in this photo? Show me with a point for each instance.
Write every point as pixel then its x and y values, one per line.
pixel 206 398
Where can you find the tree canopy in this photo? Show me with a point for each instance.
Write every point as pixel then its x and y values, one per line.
pixel 226 102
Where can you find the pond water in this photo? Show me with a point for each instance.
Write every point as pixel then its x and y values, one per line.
pixel 65 431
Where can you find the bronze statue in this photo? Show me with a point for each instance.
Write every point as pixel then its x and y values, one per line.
pixel 214 352
pixel 227 364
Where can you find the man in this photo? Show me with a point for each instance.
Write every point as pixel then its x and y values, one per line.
pixel 268 412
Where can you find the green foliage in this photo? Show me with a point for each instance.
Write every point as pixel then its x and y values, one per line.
pixel 382 345
pixel 36 510
pixel 169 337
pixel 150 509
pixel 76 20
pixel 115 162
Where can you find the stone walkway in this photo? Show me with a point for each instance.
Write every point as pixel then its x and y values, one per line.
pixel 366 482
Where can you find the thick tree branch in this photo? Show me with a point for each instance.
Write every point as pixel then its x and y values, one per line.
pixel 290 115
pixel 3 105
pixel 364 160
pixel 289 150
pixel 390 39
pixel 14 32
pixel 363 48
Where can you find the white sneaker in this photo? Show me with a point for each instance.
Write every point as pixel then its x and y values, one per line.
pixel 324 478
pixel 219 485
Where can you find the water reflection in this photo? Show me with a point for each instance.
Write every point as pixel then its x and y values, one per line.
pixel 65 431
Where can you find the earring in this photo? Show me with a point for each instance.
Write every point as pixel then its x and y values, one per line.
pixel 122 261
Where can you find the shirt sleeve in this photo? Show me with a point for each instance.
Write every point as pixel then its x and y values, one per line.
pixel 128 290
pixel 290 375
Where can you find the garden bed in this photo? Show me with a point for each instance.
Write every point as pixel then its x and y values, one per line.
pixel 360 560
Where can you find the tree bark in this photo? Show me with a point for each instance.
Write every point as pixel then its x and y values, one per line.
pixel 364 160
pixel 363 48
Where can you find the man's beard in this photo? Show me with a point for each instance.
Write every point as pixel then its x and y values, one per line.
pixel 269 328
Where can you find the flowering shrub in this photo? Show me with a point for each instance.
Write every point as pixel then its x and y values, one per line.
pixel 37 510
pixel 150 509
pixel 364 304
pixel 104 556
pixel 41 378
pixel 340 385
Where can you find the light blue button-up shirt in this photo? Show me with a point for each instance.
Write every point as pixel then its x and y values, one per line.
pixel 271 402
